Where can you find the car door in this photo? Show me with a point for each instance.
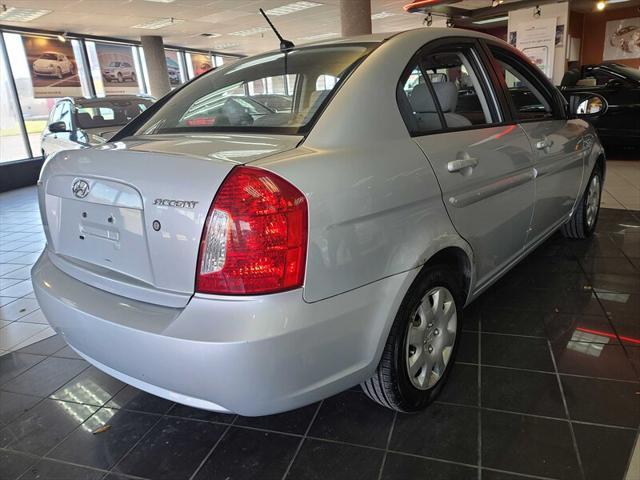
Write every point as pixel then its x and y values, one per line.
pixel 482 162
pixel 558 156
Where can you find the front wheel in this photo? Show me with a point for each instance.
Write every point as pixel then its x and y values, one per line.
pixel 422 343
pixel 583 222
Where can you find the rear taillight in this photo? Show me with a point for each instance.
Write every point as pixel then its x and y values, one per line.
pixel 255 236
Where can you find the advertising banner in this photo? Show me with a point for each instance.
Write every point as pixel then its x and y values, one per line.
pixel 118 70
pixel 622 39
pixel 173 67
pixel 200 63
pixel 537 40
pixel 53 67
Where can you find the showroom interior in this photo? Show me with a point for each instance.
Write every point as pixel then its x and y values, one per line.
pixel 544 378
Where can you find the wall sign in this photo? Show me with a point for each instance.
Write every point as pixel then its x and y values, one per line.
pixel 173 67
pixel 117 68
pixel 622 39
pixel 537 40
pixel 53 67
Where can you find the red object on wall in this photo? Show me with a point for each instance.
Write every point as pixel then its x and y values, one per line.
pixel 418 6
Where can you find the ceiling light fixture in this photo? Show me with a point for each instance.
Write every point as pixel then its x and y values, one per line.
pixel 491 20
pixel 495 3
pixel 158 23
pixel 224 46
pixel 378 16
pixel 250 31
pixel 320 36
pixel 211 35
pixel 16 14
pixel 601 5
pixel 291 8
pixel 62 37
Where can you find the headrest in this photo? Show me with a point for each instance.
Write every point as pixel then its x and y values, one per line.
pixel 570 78
pixel 422 101
pixel 84 118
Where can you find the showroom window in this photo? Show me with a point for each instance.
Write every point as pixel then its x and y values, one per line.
pixel 12 142
pixel 36 105
pixel 72 66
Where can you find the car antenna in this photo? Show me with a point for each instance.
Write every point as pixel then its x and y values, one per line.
pixel 284 44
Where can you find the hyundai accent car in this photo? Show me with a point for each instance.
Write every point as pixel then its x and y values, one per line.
pixel 53 64
pixel 260 262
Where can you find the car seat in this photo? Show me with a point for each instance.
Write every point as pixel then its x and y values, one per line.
pixel 426 112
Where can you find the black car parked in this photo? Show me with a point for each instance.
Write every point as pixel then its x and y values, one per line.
pixel 620 86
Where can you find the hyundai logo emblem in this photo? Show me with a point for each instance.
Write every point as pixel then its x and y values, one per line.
pixel 80 188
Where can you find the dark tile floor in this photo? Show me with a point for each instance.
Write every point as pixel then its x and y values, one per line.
pixel 546 385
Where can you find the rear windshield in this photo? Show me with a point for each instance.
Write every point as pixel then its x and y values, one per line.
pixel 110 113
pixel 241 97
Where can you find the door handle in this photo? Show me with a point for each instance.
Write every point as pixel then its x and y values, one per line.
pixel 544 144
pixel 461 164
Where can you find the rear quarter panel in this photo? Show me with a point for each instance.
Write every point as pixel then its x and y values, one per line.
pixel 375 207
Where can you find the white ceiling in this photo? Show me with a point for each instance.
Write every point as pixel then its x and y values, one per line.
pixel 115 18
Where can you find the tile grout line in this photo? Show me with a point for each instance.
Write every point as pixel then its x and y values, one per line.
pixel 306 433
pixel 386 449
pixel 480 395
pixel 566 410
pixel 206 457
pixel 552 373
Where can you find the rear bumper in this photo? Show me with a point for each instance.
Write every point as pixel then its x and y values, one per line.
pixel 250 355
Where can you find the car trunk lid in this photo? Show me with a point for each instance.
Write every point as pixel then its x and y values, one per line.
pixel 128 216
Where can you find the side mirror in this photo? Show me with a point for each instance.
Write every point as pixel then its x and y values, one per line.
pixel 58 127
pixel 587 105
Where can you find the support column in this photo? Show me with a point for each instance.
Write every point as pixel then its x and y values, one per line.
pixel 355 17
pixel 154 59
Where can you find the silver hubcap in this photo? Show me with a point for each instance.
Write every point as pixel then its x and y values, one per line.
pixel 593 201
pixel 430 338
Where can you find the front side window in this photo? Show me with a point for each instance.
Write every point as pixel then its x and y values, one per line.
pixel 529 101
pixel 271 92
pixel 444 91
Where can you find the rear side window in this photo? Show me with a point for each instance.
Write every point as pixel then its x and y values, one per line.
pixel 443 91
pixel 529 99
pixel 223 100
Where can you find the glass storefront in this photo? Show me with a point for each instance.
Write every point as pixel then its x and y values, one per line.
pixel 24 111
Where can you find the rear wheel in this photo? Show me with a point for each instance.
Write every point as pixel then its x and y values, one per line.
pixel 422 343
pixel 583 221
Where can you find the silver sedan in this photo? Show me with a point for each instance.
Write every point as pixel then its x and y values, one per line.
pixel 231 257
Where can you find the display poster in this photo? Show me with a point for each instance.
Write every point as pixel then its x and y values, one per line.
pixel 200 63
pixel 537 40
pixel 118 70
pixel 622 39
pixel 53 67
pixel 173 67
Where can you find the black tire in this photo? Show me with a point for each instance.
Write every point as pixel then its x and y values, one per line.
pixel 133 77
pixel 579 225
pixel 120 78
pixel 391 386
